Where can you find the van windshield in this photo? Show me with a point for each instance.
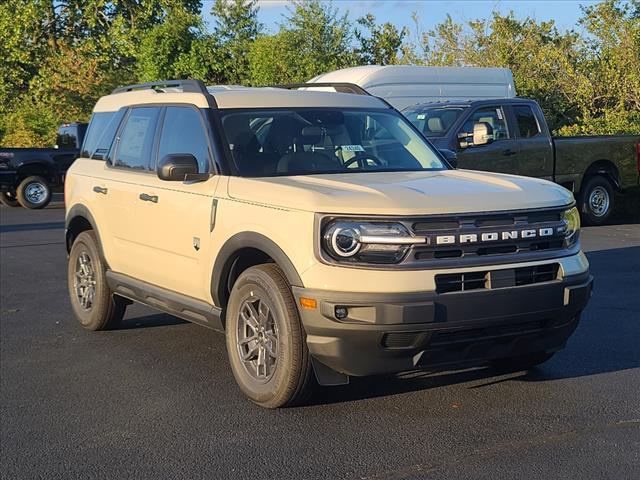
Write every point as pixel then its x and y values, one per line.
pixel 434 121
pixel 322 141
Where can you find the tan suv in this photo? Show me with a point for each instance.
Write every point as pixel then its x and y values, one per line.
pixel 320 231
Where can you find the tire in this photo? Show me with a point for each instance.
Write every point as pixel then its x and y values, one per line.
pixel 34 193
pixel 284 376
pixel 100 310
pixel 596 200
pixel 524 362
pixel 9 199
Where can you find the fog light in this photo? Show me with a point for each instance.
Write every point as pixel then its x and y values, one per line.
pixel 341 313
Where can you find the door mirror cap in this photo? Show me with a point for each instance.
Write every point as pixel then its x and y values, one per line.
pixel 482 133
pixel 450 156
pixel 177 167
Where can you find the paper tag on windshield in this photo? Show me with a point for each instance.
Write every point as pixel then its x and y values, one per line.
pixel 353 148
pixel 421 116
pixel 499 112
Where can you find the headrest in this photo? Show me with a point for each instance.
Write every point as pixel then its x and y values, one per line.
pixel 435 124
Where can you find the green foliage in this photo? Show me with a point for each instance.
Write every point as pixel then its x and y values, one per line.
pixel 313 39
pixel 586 84
pixel 237 27
pixel 378 44
pixel 59 56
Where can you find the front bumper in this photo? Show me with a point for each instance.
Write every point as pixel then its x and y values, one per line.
pixel 387 333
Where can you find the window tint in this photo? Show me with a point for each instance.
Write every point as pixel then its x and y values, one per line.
pixel 494 116
pixel 183 132
pixel 136 138
pixel 527 124
pixel 102 129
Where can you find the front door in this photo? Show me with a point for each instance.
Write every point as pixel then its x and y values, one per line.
pixel 176 217
pixel 501 154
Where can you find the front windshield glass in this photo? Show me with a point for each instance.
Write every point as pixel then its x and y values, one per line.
pixel 319 141
pixel 434 121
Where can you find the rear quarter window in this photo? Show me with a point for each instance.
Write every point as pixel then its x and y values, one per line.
pixel 100 134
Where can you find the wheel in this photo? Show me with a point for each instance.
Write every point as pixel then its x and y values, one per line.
pixel 266 342
pixel 9 199
pixel 524 362
pixel 93 303
pixel 596 200
pixel 33 193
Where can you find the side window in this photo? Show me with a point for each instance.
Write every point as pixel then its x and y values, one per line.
pixel 100 134
pixel 136 138
pixel 494 116
pixel 526 120
pixel 183 132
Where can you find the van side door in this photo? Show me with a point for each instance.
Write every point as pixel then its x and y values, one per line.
pixel 499 155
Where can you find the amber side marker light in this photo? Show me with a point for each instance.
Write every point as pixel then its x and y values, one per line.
pixel 309 303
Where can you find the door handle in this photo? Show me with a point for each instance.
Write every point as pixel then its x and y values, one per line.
pixel 148 198
pixel 508 152
pixel 101 190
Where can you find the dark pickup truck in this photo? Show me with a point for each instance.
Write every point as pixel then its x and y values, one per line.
pixel 511 136
pixel 28 175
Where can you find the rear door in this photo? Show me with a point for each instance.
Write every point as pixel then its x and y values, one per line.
pixel 535 158
pixel 497 156
pixel 176 218
pixel 129 167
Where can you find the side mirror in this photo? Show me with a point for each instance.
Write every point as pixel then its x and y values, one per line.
pixel 450 156
pixel 177 167
pixel 482 133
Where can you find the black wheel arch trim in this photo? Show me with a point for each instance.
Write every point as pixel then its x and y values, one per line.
pixel 226 257
pixel 80 210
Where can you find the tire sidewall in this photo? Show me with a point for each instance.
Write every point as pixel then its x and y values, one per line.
pixel 22 197
pixel 92 319
pixel 260 284
pixel 589 216
pixel 9 199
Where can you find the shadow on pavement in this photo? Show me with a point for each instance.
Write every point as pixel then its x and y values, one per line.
pixel 27 227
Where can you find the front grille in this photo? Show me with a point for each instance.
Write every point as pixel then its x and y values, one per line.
pixel 491 279
pixel 477 238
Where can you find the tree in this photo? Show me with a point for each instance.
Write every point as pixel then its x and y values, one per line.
pixel 237 27
pixel 378 44
pixel 312 40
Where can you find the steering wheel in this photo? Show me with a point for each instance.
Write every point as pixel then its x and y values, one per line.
pixel 360 158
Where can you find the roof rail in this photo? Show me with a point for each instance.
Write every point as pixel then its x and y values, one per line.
pixel 341 87
pixel 193 86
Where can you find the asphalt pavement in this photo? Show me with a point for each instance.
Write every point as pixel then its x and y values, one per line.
pixel 156 399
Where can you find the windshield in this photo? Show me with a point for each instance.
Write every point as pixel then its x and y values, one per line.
pixel 323 140
pixel 436 121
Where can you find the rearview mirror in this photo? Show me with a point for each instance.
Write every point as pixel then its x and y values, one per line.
pixel 178 167
pixel 482 133
pixel 450 156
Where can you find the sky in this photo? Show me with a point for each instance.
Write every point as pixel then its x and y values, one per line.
pixel 431 12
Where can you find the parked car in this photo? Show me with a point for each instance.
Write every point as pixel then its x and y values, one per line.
pixel 28 175
pixel 511 136
pixel 320 231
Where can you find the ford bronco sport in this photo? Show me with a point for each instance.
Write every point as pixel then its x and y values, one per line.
pixel 320 231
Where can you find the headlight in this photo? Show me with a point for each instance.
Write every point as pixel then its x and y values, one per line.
pixel 367 242
pixel 571 219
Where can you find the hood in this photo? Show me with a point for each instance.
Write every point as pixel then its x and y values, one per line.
pixel 401 193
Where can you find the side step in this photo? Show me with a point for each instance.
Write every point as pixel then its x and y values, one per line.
pixel 174 303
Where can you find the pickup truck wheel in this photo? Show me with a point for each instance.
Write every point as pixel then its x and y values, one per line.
pixel 34 193
pixel 596 200
pixel 93 303
pixel 9 199
pixel 524 362
pixel 266 342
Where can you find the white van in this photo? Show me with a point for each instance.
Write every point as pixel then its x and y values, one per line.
pixel 406 85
